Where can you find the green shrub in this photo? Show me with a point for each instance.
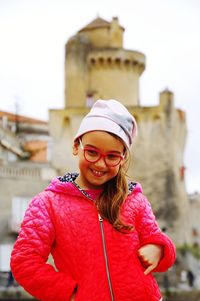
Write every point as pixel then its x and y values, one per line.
pixel 192 249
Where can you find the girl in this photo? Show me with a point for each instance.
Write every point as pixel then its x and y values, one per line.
pixel 100 229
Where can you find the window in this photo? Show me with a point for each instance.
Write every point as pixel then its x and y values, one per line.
pixel 89 100
pixel 19 206
pixel 5 251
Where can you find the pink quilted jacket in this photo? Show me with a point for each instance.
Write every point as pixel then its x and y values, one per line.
pixel 93 260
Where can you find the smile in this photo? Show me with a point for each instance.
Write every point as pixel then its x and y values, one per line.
pixel 97 173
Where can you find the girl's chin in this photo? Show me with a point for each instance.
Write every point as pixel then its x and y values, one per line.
pixel 95 183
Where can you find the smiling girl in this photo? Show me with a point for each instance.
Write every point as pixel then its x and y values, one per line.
pixel 99 227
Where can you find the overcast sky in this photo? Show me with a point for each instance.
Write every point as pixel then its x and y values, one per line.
pixel 32 38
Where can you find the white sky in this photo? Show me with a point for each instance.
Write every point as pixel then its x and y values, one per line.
pixel 32 38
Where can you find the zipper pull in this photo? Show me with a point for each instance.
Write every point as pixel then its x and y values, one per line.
pixel 100 218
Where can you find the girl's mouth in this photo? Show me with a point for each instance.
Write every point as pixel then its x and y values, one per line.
pixel 98 173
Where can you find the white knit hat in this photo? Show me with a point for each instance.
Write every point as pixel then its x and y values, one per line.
pixel 110 116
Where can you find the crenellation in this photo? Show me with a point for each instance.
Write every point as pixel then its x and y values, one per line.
pixel 105 60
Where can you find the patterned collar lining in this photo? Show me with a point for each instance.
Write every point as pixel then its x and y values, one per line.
pixel 71 177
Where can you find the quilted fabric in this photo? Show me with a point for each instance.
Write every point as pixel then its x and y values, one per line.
pixel 63 221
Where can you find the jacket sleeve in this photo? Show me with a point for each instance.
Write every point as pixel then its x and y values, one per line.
pixel 30 254
pixel 150 233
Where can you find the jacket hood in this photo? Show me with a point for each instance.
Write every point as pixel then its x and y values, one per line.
pixel 67 185
pixel 62 187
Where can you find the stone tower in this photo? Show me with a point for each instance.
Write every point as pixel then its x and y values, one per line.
pixel 97 66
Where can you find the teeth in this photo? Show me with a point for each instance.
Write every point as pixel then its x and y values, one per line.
pixel 98 173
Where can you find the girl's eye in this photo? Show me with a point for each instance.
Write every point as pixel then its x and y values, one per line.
pixel 91 152
pixel 112 157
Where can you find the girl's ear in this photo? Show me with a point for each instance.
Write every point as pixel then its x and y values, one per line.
pixel 75 148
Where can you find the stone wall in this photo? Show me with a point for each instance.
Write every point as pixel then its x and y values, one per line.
pixel 194 203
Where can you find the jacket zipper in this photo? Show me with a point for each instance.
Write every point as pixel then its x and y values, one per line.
pixel 106 257
pixel 104 247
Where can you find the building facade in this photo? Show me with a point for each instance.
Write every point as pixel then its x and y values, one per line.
pixel 24 171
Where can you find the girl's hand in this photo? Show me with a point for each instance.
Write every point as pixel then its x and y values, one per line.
pixel 150 255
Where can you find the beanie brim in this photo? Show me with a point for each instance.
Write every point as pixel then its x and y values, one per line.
pixel 99 123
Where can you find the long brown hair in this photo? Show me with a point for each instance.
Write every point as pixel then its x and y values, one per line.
pixel 113 196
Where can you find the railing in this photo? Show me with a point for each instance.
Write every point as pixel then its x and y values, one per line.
pixel 22 172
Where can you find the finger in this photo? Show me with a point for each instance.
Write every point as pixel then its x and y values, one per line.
pixel 140 254
pixel 149 269
pixel 145 264
pixel 140 251
pixel 144 260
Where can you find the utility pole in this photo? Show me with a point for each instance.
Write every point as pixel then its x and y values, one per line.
pixel 17 106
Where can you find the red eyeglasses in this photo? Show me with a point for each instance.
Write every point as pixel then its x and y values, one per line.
pixel 93 155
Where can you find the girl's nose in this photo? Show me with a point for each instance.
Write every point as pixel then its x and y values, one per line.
pixel 101 162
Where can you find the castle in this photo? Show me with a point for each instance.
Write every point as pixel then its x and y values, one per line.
pixel 97 66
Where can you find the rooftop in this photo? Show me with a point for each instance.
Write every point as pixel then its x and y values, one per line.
pixel 20 118
pixel 98 23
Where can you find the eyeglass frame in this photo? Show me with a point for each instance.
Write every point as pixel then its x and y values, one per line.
pixel 102 154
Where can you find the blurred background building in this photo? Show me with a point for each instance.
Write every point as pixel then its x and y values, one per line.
pixel 24 171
